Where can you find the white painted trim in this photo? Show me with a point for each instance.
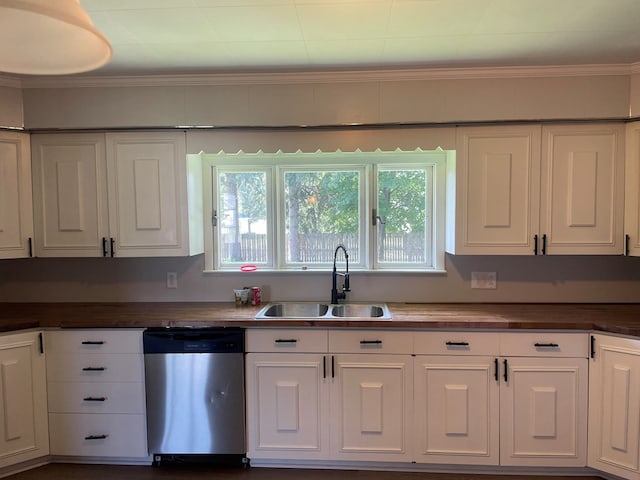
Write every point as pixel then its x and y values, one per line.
pixel 352 76
pixel 11 82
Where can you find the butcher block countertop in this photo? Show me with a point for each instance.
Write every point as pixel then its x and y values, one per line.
pixel 613 318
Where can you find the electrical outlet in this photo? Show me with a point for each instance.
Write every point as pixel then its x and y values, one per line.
pixel 172 280
pixel 483 280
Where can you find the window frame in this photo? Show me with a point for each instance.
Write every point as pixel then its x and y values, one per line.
pixel 277 163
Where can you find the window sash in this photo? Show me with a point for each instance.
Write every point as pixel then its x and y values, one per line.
pixel 369 162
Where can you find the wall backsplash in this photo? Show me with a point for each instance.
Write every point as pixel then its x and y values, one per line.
pixel 519 279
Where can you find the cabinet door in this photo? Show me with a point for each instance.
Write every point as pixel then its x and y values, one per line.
pixel 497 190
pixel 582 200
pixel 632 189
pixel 147 175
pixel 371 399
pixel 543 408
pixel 16 214
pixel 287 406
pixel 23 406
pixel 70 197
pixel 614 406
pixel 456 410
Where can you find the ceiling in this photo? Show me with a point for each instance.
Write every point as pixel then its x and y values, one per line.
pixel 233 36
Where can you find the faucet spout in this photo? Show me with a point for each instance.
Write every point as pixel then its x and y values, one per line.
pixel 336 296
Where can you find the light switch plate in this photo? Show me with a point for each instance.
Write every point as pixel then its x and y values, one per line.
pixel 483 280
pixel 172 280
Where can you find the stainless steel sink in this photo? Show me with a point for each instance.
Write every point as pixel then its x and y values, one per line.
pixel 294 310
pixel 357 310
pixel 323 311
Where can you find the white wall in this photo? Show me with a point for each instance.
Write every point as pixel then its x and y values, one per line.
pixel 520 279
pixel 329 103
pixel 11 107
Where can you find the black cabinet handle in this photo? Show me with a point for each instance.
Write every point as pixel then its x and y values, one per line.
pixel 496 364
pixel 95 437
pixel 93 342
pixel 544 244
pixel 285 340
pixel 95 399
pixel 93 369
pixel 593 346
pixel 333 366
pixel 457 344
pixel 104 247
pixel 535 244
pixel 627 242
pixel 113 247
pixel 370 342
pixel 506 370
pixel 41 343
pixel 324 366
pixel 30 243
pixel 545 345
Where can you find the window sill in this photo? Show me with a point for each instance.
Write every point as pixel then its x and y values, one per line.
pixel 316 271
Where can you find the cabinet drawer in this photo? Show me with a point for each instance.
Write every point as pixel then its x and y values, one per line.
pixel 370 341
pixel 95 368
pixel 544 344
pixel 94 397
pixel 94 341
pixel 98 435
pixel 286 340
pixel 456 343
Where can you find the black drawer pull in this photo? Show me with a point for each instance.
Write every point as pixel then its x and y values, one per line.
pixel 457 344
pixel 95 437
pixel 93 342
pixel 286 340
pixel 546 345
pixel 93 369
pixel 370 342
pixel 95 399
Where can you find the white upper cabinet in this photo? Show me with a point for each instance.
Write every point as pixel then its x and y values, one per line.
pixel 582 200
pixel 531 190
pixel 69 192
pixel 16 213
pixel 119 194
pixel 632 190
pixel 152 193
pixel 497 182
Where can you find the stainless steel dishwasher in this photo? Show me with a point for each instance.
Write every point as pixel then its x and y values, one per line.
pixel 195 395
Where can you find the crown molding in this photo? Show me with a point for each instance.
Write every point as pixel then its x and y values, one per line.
pixel 11 82
pixel 353 76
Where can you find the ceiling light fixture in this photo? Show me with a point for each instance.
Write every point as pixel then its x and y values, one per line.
pixel 49 37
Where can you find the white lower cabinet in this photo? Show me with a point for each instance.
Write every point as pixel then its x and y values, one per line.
pixel 517 399
pixel 23 401
pixel 475 398
pixel 456 410
pixel 614 406
pixel 336 403
pixel 96 393
pixel 287 395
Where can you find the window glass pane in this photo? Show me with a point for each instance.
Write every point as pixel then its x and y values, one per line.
pixel 243 217
pixel 405 220
pixel 321 210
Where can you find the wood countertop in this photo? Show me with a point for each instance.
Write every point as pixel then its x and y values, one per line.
pixel 614 318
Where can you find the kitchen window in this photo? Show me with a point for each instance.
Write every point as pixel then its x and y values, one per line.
pixel 289 211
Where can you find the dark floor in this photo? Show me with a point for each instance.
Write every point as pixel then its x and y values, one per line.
pixel 119 472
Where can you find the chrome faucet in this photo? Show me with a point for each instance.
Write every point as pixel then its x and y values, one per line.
pixel 335 295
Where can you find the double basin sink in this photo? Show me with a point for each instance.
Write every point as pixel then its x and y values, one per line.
pixel 324 311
